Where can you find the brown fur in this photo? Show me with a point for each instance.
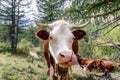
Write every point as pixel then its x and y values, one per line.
pixel 62 72
pixel 83 62
pixel 99 64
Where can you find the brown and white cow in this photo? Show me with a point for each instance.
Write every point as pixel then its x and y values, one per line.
pixel 108 65
pixel 85 63
pixel 60 46
pixel 99 64
pixel 96 65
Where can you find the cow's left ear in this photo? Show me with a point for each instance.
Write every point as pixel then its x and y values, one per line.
pixel 78 34
pixel 42 34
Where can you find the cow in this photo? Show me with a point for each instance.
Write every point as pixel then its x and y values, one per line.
pixel 108 65
pixel 60 46
pixel 85 63
pixel 102 65
pixel 96 65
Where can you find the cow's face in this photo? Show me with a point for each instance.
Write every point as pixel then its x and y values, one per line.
pixel 61 37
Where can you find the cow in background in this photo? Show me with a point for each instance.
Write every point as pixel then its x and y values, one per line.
pixel 60 46
pixel 109 66
pixel 101 65
pixel 85 63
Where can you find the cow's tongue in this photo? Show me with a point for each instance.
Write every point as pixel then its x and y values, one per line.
pixel 72 61
pixel 51 71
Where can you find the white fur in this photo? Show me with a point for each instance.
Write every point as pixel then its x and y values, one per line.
pixel 62 38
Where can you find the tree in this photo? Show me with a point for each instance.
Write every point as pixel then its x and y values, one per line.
pixel 49 10
pixel 29 35
pixel 4 35
pixel 103 10
pixel 106 17
pixel 13 15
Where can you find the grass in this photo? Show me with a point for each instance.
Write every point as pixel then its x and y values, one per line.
pixel 19 68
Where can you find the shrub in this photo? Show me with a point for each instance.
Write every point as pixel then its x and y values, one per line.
pixel 29 59
pixel 8 53
pixel 24 46
pixel 4 47
pixel 4 75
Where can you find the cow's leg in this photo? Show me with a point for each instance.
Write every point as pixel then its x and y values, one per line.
pixel 55 77
pixel 63 73
pixel 63 77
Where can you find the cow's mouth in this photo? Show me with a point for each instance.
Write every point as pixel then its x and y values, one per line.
pixel 72 61
pixel 65 64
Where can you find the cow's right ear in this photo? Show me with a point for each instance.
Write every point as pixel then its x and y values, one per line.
pixel 42 34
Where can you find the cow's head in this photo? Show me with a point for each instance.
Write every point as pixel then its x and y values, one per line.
pixel 61 35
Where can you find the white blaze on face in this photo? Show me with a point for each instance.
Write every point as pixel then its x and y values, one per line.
pixel 60 39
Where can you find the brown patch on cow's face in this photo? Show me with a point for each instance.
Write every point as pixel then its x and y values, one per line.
pixel 42 34
pixel 78 34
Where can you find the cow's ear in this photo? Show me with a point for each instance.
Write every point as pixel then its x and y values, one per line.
pixel 78 34
pixel 42 34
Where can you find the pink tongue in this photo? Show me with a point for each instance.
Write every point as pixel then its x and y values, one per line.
pixel 51 71
pixel 74 60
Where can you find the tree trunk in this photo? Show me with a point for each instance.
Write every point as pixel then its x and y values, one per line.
pixel 13 34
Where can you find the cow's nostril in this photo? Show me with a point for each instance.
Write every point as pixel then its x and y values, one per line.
pixel 61 55
pixel 66 62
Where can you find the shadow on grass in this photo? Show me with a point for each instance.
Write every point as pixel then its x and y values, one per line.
pixel 90 77
pixel 104 76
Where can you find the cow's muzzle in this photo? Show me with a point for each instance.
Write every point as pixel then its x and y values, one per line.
pixel 67 58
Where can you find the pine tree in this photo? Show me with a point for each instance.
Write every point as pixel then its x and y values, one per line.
pixel 13 15
pixel 49 10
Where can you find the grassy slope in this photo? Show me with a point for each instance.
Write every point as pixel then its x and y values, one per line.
pixel 18 68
